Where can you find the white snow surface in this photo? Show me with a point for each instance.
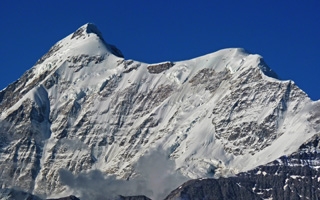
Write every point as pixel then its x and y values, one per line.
pixel 140 115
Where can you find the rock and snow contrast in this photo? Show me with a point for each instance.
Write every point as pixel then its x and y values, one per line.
pixel 85 121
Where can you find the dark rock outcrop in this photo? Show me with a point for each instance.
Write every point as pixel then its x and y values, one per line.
pixel 139 197
pixel 71 197
pixel 160 67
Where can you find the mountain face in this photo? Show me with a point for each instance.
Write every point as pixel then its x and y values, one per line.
pixel 85 119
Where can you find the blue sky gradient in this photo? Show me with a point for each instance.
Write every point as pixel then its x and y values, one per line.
pixel 285 33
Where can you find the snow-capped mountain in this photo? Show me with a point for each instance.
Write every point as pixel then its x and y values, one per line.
pixel 84 110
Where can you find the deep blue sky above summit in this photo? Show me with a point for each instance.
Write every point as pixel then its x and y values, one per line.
pixel 285 33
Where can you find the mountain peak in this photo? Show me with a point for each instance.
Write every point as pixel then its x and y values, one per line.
pixel 87 29
pixel 90 28
pixel 85 40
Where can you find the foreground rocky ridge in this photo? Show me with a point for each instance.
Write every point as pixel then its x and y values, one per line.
pixel 296 176
pixel 84 107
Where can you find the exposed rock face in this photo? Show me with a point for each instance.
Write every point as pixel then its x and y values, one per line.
pixel 83 107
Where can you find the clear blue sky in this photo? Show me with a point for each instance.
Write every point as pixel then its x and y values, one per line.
pixel 286 33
